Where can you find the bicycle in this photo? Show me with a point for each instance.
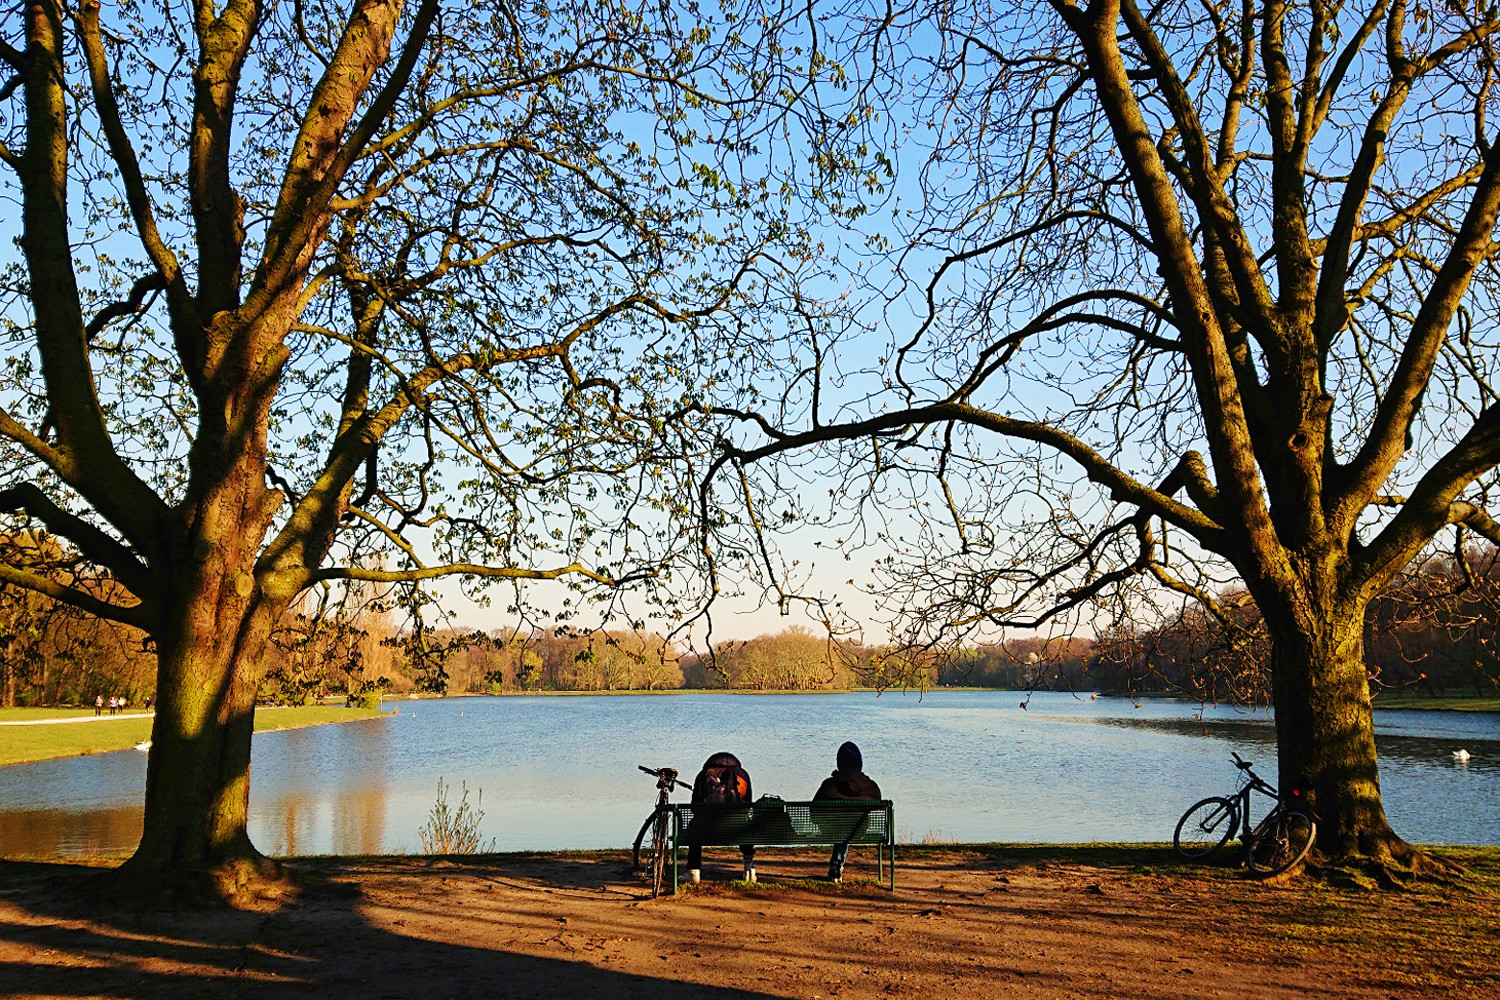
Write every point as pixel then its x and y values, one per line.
pixel 656 825
pixel 1280 840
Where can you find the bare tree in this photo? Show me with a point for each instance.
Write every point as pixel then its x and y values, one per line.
pixel 301 281
pixel 1198 292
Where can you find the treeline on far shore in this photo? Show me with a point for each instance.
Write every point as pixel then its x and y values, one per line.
pixel 1436 634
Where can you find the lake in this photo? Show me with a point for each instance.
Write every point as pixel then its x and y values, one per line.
pixel 560 772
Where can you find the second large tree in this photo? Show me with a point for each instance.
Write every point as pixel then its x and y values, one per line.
pixel 1192 286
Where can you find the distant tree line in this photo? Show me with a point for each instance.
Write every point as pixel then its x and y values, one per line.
pixel 1436 633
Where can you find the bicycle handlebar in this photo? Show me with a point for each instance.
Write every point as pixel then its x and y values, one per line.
pixel 669 773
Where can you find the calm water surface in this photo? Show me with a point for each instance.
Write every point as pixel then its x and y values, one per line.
pixel 559 772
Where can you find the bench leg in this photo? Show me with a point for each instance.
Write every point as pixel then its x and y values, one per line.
pixel 673 843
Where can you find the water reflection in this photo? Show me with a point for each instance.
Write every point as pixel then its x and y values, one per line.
pixel 326 791
pixel 346 821
pixel 67 832
pixel 1393 740
pixel 559 772
pixel 1260 733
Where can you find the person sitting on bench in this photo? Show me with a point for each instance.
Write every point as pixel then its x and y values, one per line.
pixel 722 784
pixel 848 782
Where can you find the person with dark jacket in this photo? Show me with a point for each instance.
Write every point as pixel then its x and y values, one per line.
pixel 848 782
pixel 722 784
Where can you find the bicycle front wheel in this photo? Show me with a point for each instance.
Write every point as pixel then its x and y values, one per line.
pixel 1283 839
pixel 658 852
pixel 1205 827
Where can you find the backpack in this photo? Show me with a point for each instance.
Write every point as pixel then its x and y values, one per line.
pixel 725 785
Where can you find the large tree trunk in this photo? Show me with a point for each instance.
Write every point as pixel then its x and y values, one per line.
pixel 1326 733
pixel 198 778
pixel 214 628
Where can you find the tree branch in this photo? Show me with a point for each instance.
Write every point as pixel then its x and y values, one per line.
pixel 1099 469
pixel 1386 440
pixel 96 546
pixel 146 283
pixel 169 273
pixel 135 615
pixel 1434 502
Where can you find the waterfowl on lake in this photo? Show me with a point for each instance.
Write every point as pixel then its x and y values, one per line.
pixel 1460 755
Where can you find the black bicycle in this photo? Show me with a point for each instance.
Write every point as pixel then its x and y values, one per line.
pixel 1275 844
pixel 656 826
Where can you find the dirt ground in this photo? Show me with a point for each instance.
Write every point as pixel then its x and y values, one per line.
pixel 993 923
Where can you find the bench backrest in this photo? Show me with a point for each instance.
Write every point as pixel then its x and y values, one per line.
pixel 774 823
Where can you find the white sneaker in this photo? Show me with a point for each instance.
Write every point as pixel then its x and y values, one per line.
pixel 749 874
pixel 694 876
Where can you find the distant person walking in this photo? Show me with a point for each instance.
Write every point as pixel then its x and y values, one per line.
pixel 848 782
pixel 98 704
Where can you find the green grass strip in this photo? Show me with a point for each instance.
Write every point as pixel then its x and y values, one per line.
pixel 21 744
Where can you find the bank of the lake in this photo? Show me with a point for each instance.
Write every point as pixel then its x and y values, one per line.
pixel 35 734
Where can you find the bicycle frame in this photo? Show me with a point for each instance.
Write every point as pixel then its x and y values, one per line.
pixel 1241 799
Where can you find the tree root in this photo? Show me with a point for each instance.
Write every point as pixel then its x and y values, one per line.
pixel 246 882
pixel 1390 865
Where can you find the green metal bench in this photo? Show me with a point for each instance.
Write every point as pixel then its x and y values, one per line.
pixel 772 822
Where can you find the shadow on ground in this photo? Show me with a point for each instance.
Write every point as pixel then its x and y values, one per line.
pixel 318 945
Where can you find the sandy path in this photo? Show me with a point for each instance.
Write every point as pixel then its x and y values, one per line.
pixel 78 718
pixel 960 925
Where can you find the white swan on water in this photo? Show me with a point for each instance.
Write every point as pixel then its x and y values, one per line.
pixel 1461 755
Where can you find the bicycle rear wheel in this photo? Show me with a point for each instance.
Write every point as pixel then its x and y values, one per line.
pixel 641 839
pixel 1205 827
pixel 1282 840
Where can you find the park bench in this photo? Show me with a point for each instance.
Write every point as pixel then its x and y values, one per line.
pixel 772 822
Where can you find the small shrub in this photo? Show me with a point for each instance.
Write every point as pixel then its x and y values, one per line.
pixel 931 837
pixel 454 831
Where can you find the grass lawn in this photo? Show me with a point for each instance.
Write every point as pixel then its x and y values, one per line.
pixel 19 744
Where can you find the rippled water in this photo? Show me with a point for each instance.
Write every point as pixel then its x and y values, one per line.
pixel 559 772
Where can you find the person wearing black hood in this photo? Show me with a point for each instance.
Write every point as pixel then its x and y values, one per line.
pixel 848 782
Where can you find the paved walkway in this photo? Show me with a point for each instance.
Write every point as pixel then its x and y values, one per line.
pixel 79 718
